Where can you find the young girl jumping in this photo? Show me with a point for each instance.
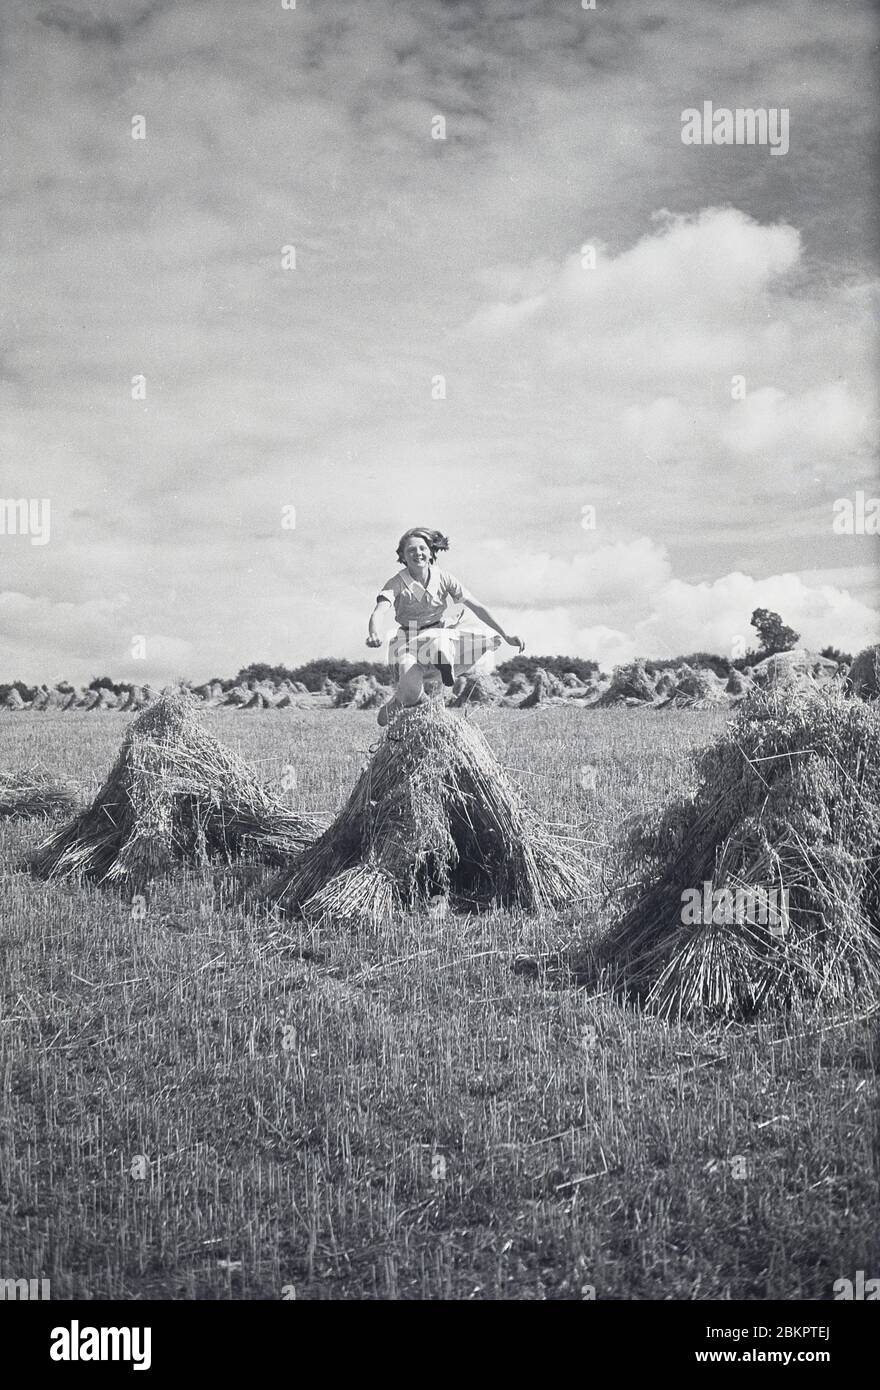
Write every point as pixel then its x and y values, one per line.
pixel 427 642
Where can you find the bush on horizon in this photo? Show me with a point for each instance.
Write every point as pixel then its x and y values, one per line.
pixel 313 673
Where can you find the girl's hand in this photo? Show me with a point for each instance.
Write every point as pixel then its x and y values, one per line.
pixel 374 640
pixel 515 642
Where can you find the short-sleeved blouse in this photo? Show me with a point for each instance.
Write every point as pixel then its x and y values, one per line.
pixel 422 605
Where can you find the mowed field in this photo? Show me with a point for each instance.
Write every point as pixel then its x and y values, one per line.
pixel 208 1102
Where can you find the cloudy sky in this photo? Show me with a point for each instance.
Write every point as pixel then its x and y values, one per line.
pixel 568 384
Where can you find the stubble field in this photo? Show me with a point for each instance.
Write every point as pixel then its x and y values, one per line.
pixel 199 1100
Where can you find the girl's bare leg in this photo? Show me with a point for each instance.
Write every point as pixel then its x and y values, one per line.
pixel 409 688
pixel 409 685
pixel 431 682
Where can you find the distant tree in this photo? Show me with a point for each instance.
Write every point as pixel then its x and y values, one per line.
pixel 338 669
pixel 261 671
pixel 835 654
pixel 108 683
pixel 773 633
pixel 313 673
pixel 27 692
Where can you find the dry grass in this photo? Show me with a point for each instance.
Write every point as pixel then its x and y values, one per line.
pixel 173 794
pixel 397 1114
pixel 361 692
pixel 432 813
pixel 33 792
pixel 629 684
pixel 864 674
pixel 477 688
pixel 695 689
pixel 545 685
pixel 787 801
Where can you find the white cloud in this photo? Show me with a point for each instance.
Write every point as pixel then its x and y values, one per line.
pixel 598 576
pixel 662 429
pixel 708 617
pixel 566 386
pixel 688 282
pixel 805 425
pixel 659 615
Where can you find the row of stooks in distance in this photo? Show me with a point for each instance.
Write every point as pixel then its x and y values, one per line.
pixel 630 684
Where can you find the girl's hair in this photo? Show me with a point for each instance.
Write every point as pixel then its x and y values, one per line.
pixel 435 540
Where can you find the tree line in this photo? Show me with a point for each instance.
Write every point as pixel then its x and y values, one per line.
pixel 773 634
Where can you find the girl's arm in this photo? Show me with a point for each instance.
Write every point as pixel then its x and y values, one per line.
pixel 373 638
pixel 486 617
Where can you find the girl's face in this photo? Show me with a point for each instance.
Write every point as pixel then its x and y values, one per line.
pixel 416 553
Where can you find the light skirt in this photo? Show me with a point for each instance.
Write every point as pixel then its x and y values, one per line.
pixel 462 645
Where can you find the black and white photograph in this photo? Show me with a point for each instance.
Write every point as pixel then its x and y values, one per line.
pixel 439 666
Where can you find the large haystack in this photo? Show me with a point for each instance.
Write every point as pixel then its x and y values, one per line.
pixel 864 674
pixel 787 801
pixel 433 813
pixel 174 793
pixel 630 685
pixel 14 700
pixel 33 792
